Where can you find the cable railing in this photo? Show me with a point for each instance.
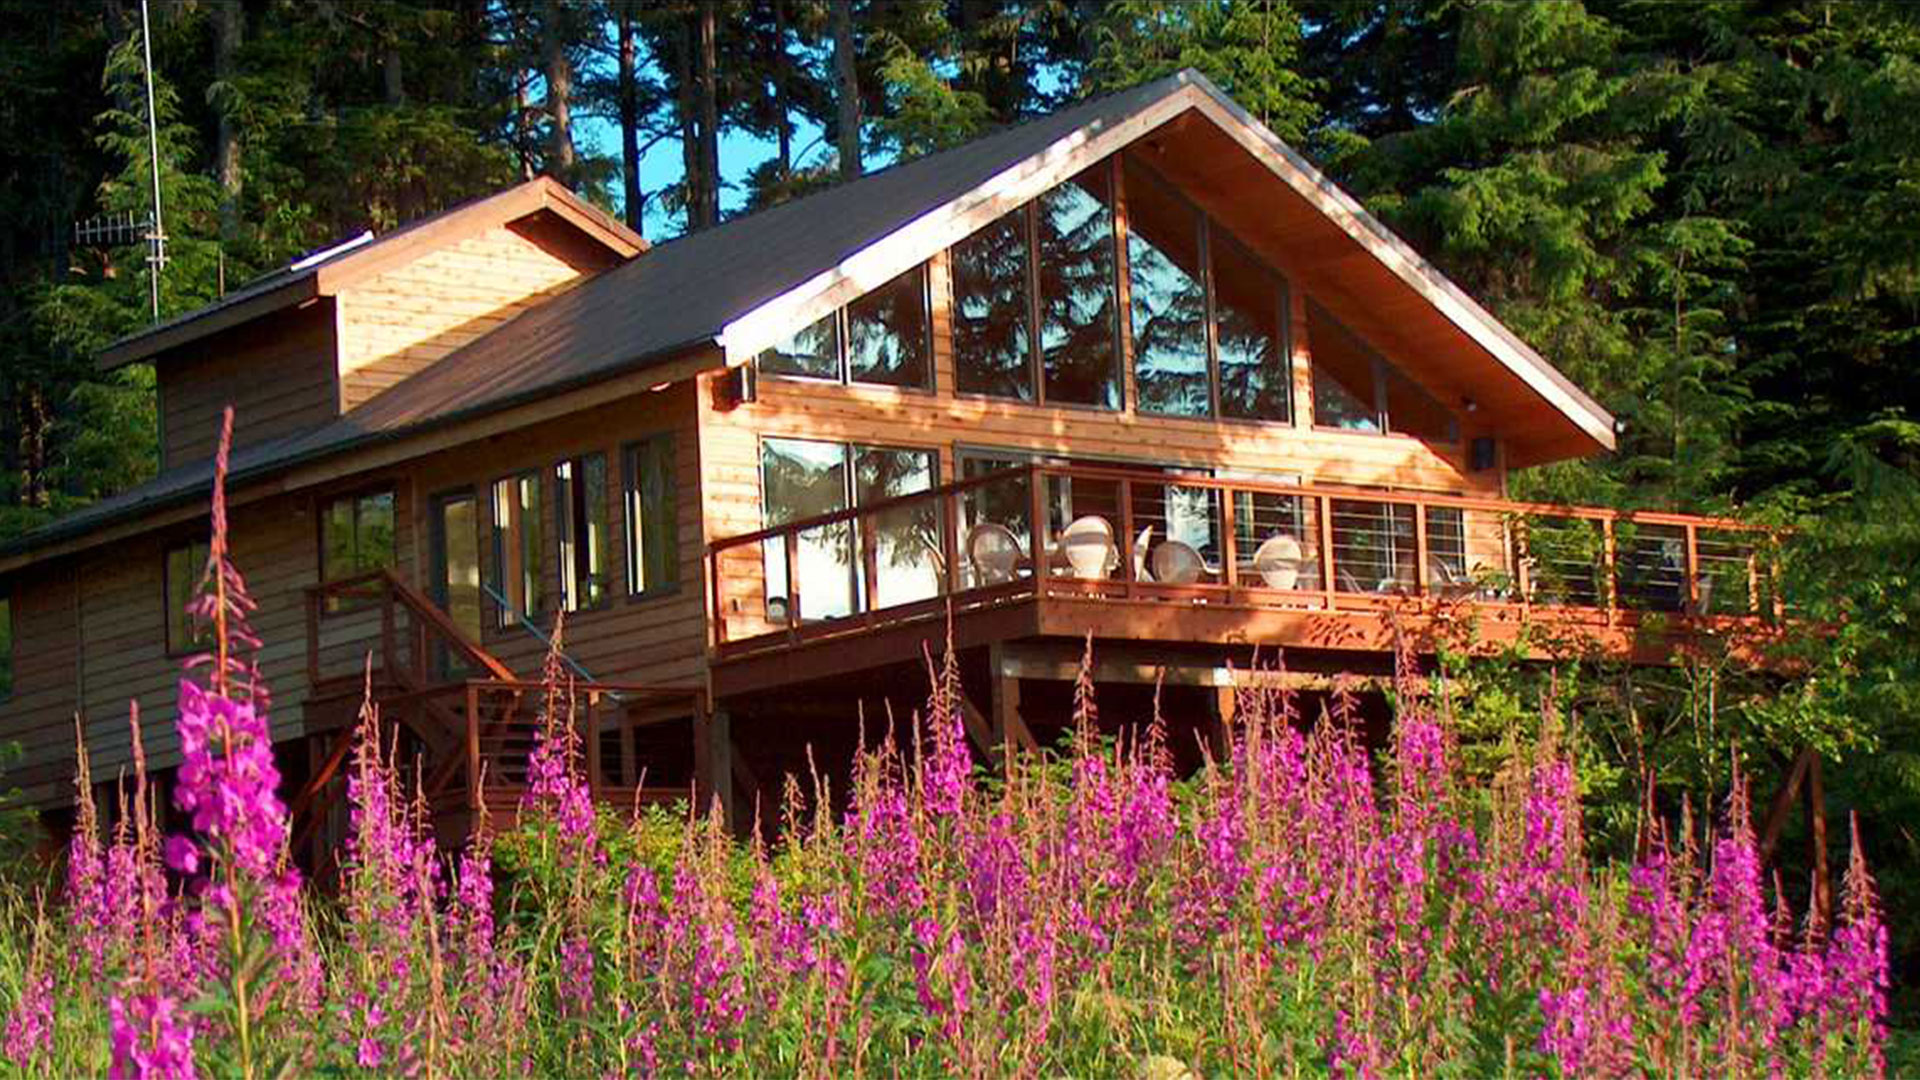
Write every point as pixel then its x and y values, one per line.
pixel 1131 534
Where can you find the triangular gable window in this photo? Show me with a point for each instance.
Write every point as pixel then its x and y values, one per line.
pixel 1357 389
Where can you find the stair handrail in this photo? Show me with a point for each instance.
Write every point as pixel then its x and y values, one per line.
pixel 545 639
pixel 422 608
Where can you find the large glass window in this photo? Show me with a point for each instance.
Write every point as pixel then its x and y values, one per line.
pixel 356 535
pixel 1167 298
pixel 519 545
pixel 813 352
pixel 1073 235
pixel 1250 304
pixel 883 338
pixel 1356 389
pixel 992 346
pixel 802 478
pixel 889 336
pixel 653 540
pixel 184 565
pixel 580 502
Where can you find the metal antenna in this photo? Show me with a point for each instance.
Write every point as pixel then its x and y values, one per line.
pixel 157 238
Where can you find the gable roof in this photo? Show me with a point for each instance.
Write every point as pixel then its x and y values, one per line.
pixel 721 295
pixel 325 272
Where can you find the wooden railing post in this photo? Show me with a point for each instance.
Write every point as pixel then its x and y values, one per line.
pixel 1420 552
pixel 1610 559
pixel 1753 582
pixel 950 517
pixel 1037 526
pixel 790 551
pixel 1229 541
pixel 1326 549
pixel 866 596
pixel 1128 557
pixel 719 630
pixel 1522 563
pixel 592 737
pixel 475 797
pixel 1693 569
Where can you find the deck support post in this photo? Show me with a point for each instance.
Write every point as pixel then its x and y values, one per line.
pixel 1226 702
pixel 713 764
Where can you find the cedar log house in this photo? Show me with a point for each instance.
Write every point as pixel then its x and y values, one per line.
pixel 1134 371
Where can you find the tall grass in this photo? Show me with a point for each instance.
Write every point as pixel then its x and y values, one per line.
pixel 1297 907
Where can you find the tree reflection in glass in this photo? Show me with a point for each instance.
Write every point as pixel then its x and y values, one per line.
pixel 800 479
pixel 1255 381
pixel 813 352
pixel 888 339
pixel 1168 301
pixel 991 346
pixel 1074 230
pixel 906 539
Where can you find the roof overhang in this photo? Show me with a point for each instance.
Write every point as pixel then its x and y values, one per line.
pixel 1359 269
pixel 541 198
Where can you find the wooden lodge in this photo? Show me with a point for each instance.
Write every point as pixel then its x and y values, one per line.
pixel 1133 370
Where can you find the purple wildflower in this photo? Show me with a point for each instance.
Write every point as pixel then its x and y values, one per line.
pixel 29 1030
pixel 152 1038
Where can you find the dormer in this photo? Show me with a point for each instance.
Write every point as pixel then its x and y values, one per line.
pixel 303 346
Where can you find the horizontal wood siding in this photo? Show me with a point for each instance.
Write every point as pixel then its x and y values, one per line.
pixel 276 372
pixel 729 443
pixel 39 711
pixel 396 323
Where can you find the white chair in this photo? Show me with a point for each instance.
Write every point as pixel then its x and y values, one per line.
pixel 1177 563
pixel 994 552
pixel 1140 546
pixel 1088 543
pixel 1278 562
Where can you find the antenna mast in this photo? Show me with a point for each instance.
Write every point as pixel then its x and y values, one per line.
pixel 157 237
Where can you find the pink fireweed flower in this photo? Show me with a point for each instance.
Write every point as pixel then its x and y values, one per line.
pixel 948 771
pixel 941 975
pixel 1855 974
pixel 151 1038
pixel 30 1022
pixel 996 873
pixel 889 848
pixel 227 780
pixel 576 976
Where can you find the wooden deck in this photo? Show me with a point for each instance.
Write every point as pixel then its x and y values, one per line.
pixel 1469 572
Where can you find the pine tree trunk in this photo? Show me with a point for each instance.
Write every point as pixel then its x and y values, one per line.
pixel 782 64
pixel 709 116
pixel 849 90
pixel 391 75
pixel 630 123
pixel 229 23
pixel 559 73
pixel 689 126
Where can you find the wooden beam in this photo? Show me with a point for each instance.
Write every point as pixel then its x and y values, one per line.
pixel 1782 803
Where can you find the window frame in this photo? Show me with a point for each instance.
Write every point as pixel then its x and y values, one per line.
pixel 193 644
pixel 843 354
pixel 631 550
pixel 516 608
pixel 323 507
pixel 568 539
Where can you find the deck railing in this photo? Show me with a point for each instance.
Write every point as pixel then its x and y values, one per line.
pixel 1201 538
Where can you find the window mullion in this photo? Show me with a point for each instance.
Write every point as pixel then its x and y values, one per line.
pixel 1036 354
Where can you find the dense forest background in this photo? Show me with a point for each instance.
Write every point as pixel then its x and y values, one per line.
pixel 1708 214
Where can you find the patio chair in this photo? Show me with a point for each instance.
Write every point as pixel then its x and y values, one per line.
pixel 1177 563
pixel 994 552
pixel 1277 561
pixel 1088 543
